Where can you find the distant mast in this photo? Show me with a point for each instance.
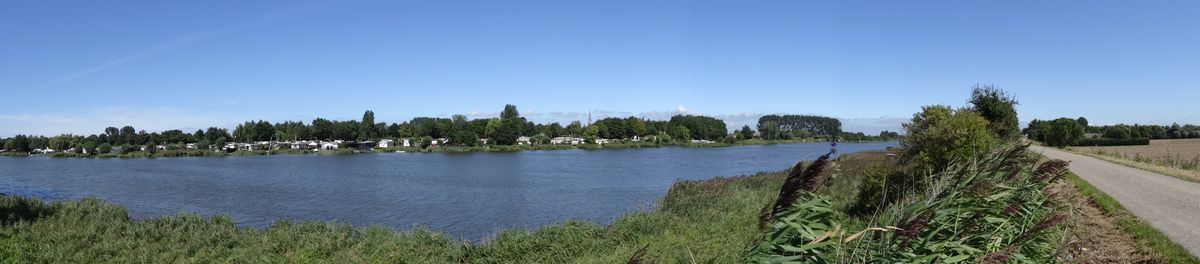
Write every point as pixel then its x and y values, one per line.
pixel 589 118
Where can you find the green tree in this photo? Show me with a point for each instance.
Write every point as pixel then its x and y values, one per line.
pixel 999 108
pixel 90 147
pixel 785 126
pixel 1117 132
pixel 424 141
pixel 61 142
pixel 556 130
pixel 461 134
pixel 104 148
pixel 662 138
pixel 366 129
pixel 1064 132
pixel 769 130
pixel 321 129
pixel 746 132
pixel 510 126
pixel 18 143
pixel 112 135
pixel 636 127
pixel 510 112
pixel 701 127
pixel 939 135
pixel 575 128
pixel 590 133
pixel 128 135
pixel 680 133
pixel 129 148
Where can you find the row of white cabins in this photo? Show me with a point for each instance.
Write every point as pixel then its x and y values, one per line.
pixel 385 143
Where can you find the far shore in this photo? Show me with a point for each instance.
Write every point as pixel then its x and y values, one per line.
pixel 181 152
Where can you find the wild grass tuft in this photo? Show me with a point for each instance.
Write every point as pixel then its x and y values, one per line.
pixel 994 208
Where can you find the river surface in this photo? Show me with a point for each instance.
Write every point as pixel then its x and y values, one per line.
pixel 467 195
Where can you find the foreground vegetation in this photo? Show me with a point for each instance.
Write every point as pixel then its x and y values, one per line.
pixel 993 209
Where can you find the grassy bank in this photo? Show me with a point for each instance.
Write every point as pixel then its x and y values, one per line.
pixel 1144 236
pixel 708 220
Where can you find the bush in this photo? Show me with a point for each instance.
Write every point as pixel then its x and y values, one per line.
pixel 881 185
pixel 939 135
pixel 1063 132
pixel 999 108
pixel 1098 142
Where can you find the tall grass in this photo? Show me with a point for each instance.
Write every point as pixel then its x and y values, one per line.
pixel 992 209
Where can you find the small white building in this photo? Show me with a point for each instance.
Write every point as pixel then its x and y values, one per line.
pixel 190 146
pixel 249 147
pixel 329 146
pixel 405 142
pixel 566 140
pixel 523 140
pixel 602 141
pixel 387 143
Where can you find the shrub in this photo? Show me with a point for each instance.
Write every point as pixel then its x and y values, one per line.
pixel 998 108
pixel 1063 132
pixel 1097 142
pixel 881 185
pixel 939 135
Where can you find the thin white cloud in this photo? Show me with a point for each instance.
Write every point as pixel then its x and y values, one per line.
pixel 95 120
pixel 184 40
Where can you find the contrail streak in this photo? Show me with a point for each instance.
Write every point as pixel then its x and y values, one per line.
pixel 186 40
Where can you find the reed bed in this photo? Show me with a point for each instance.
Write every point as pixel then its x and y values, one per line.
pixel 994 209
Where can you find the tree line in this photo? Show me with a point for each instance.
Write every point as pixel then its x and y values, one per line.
pixel 461 131
pixel 1067 131
pixel 773 127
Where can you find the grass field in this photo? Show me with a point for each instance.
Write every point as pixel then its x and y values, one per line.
pixel 1175 157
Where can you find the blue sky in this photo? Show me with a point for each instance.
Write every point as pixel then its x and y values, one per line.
pixel 79 66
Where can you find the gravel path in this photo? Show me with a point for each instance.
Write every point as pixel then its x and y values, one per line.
pixel 1168 204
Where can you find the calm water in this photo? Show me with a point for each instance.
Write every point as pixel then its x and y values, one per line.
pixel 468 195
